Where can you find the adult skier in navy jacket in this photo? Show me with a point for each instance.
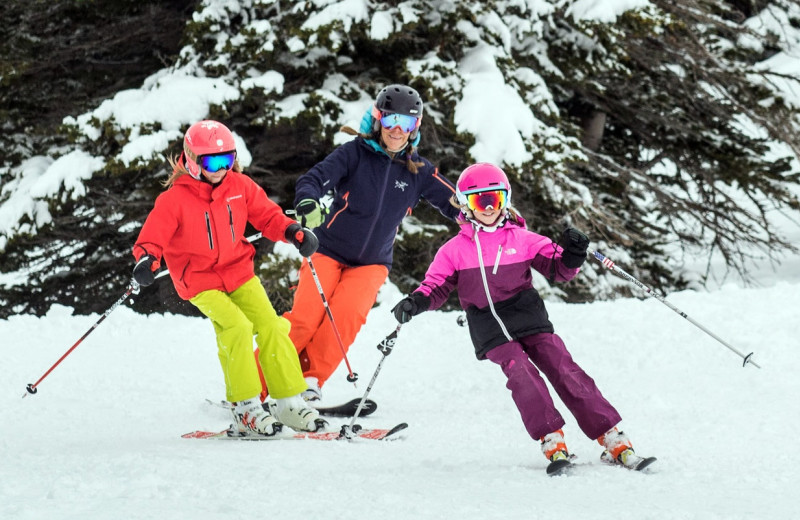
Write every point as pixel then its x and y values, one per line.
pixel 376 180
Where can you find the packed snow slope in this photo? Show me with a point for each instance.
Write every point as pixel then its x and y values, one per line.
pixel 102 437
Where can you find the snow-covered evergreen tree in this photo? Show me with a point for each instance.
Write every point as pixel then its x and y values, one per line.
pixel 660 128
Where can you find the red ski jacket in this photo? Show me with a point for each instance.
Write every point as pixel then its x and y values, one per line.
pixel 198 229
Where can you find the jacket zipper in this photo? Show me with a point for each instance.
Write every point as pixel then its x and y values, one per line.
pixel 230 219
pixel 380 203
pixel 208 229
pixel 486 289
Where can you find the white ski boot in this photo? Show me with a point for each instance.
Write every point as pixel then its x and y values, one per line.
pixel 250 418
pixel 312 393
pixel 297 415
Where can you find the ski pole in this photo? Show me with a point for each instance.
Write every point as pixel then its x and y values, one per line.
pixel 351 376
pixel 611 266
pixel 385 346
pixel 133 288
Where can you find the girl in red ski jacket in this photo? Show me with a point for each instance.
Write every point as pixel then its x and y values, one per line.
pixel 197 227
pixel 489 262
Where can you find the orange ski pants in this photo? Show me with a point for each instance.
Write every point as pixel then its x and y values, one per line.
pixel 350 292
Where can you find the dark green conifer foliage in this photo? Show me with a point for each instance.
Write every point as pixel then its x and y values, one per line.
pixel 645 145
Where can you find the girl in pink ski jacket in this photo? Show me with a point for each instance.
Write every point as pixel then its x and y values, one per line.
pixel 492 272
pixel 489 262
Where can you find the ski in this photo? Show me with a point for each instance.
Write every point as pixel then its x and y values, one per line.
pixel 357 433
pixel 559 467
pixel 565 466
pixel 644 463
pixel 637 463
pixel 347 409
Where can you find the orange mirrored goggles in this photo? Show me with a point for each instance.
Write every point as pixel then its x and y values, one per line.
pixel 487 200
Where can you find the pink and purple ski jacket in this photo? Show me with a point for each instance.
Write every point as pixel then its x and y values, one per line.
pixel 492 273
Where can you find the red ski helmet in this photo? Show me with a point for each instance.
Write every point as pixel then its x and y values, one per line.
pixel 205 137
pixel 481 177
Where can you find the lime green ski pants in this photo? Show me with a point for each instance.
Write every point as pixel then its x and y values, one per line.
pixel 237 316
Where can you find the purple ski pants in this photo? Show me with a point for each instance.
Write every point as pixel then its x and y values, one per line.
pixel 577 390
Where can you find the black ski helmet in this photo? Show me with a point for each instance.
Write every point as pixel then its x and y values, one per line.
pixel 398 99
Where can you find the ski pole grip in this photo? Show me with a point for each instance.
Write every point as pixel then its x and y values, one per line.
pixel 387 344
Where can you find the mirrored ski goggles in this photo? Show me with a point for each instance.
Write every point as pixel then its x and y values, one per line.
pixel 485 200
pixel 216 162
pixel 405 122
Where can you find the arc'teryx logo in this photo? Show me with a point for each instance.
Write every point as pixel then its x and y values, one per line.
pixel 401 185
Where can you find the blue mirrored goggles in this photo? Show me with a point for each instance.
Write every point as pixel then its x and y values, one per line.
pixel 405 122
pixel 216 162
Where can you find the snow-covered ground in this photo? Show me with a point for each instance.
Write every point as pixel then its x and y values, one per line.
pixel 101 438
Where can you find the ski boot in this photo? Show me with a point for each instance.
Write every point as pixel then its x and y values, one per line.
pixel 555 449
pixel 312 393
pixel 297 415
pixel 250 418
pixel 619 450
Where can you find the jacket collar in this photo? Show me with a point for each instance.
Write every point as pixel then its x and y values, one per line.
pixel 203 190
pixel 468 227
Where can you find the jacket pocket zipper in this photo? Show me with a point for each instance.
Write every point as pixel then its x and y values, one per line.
pixel 497 260
pixel 230 219
pixel 208 229
pixel 346 203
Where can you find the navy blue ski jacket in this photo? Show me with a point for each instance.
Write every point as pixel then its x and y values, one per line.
pixel 372 194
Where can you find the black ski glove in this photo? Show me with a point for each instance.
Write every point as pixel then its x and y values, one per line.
pixel 143 271
pixel 413 304
pixel 575 245
pixel 302 238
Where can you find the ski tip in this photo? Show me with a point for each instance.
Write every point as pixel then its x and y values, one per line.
pixel 368 408
pixel 645 463
pixel 199 434
pixel 221 403
pixel 400 427
pixel 558 467
pixel 347 409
